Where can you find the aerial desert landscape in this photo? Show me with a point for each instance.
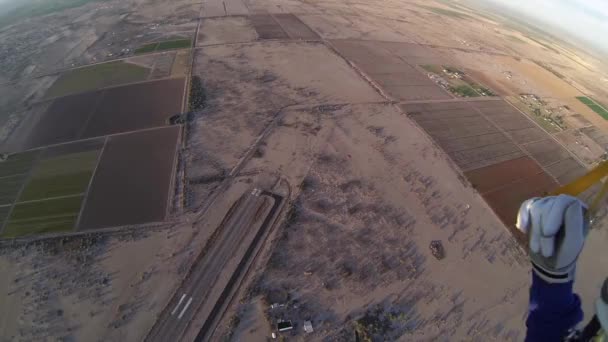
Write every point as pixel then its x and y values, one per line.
pixel 298 170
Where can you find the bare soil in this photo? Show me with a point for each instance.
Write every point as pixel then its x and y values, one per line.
pixel 132 181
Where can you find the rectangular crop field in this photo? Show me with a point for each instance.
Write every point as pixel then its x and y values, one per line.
pixel 46 216
pixel 131 184
pixel 109 111
pixel 62 174
pixel 96 77
pixel 596 107
pixel 13 173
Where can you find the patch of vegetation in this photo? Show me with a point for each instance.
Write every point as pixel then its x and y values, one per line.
pixel 516 39
pixel 146 48
pixel 377 323
pixel 9 188
pixel 550 69
pixel 61 176
pixel 96 77
pixel 436 69
pixel 464 91
pixel 23 9
pixel 545 45
pixel 197 94
pixel 46 216
pixel 483 91
pixel 446 12
pixel 165 45
pixel 596 107
pixel 174 44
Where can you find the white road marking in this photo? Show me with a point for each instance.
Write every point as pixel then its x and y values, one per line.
pixel 185 308
pixel 178 304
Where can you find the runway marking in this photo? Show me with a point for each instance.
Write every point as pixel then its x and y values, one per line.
pixel 256 192
pixel 178 304
pixel 185 308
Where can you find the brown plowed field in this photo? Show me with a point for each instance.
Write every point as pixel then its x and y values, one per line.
pixel 115 110
pixel 131 184
pixel 490 178
pixel 501 151
pixel 137 106
pixel 295 28
pixel 506 185
pixel 64 120
pixel 267 27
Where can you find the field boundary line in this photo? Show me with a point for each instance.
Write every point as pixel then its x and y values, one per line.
pixel 15 175
pixel 50 198
pixel 105 88
pixel 108 231
pixel 91 113
pixel 86 193
pixel 173 181
pixel 98 137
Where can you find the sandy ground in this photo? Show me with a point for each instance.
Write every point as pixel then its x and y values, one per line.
pixel 354 214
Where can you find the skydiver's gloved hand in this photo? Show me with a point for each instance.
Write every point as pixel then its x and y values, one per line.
pixel 557 229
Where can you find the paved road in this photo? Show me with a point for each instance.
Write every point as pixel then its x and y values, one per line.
pixel 200 285
pixel 215 316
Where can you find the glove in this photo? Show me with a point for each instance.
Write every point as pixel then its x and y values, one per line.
pixel 557 229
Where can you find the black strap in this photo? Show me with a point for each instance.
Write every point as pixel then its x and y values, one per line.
pixel 540 270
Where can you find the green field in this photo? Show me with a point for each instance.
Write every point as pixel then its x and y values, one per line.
pixel 13 173
pixel 464 90
pixel 9 188
pixel 96 77
pixel 55 182
pixel 3 213
pixel 596 107
pixel 45 216
pixel 22 9
pixel 166 45
pixel 446 12
pixel 64 175
pixel 18 163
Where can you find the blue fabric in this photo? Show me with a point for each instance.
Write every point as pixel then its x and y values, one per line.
pixel 554 309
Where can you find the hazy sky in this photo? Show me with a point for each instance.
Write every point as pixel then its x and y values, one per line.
pixel 585 19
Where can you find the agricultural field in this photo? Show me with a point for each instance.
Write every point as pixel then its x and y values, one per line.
pixel 88 184
pixel 456 81
pixel 109 111
pixel 596 107
pixel 49 196
pixel 96 77
pixel 164 45
pixel 472 135
pixel 133 181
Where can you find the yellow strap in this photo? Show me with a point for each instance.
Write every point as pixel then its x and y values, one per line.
pixel 579 185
